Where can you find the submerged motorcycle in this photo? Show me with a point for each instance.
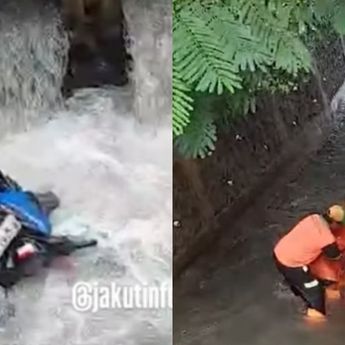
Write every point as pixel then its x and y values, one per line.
pixel 26 240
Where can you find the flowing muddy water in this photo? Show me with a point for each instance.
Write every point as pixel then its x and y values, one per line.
pixel 113 175
pixel 233 295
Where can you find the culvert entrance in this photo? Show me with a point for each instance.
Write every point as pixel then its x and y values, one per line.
pixel 97 54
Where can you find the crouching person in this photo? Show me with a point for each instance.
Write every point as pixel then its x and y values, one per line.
pixel 301 246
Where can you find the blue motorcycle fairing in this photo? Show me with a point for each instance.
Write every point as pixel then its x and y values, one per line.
pixel 27 210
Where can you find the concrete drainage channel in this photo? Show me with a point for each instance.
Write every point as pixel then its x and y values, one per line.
pixel 236 283
pixel 91 150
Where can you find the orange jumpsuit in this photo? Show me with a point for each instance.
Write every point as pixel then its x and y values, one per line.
pixel 303 244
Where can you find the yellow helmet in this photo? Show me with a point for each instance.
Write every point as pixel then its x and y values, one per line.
pixel 336 213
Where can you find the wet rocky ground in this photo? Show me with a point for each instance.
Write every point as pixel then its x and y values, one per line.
pixel 233 294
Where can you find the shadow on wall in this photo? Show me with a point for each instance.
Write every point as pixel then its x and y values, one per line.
pixel 97 54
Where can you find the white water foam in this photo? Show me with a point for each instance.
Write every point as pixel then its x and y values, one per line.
pixel 109 163
pixel 114 179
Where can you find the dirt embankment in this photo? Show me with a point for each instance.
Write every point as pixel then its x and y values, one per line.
pixel 250 156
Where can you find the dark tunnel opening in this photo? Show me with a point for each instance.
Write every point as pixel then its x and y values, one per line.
pixel 97 35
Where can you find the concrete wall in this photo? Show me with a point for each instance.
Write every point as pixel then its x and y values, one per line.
pixel 250 156
pixel 149 29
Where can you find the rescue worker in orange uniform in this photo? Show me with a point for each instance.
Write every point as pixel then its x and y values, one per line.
pixel 303 244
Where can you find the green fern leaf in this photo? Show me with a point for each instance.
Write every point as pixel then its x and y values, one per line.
pixel 323 8
pixel 200 56
pixel 245 50
pixel 198 139
pixel 182 104
pixel 339 19
pixel 270 23
pixel 239 46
